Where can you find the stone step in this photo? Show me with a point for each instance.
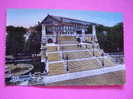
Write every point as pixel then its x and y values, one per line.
pixel 78 55
pixel 67 38
pixel 83 65
pixel 56 69
pixel 54 57
pixel 52 48
pixel 72 47
pixel 68 42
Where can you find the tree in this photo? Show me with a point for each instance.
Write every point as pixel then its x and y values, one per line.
pixel 15 40
pixel 113 40
pixel 89 29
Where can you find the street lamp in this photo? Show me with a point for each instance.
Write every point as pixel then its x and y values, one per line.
pixel 93 49
pixel 67 68
pixel 93 44
pixel 62 52
pixel 103 60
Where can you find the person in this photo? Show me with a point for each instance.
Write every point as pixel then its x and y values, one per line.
pixel 43 67
pixel 103 62
pixel 86 45
pixel 102 54
pixel 80 45
pixel 93 50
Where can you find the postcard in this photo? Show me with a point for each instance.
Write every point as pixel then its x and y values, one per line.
pixel 53 47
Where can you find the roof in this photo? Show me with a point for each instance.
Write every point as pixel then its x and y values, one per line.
pixel 69 20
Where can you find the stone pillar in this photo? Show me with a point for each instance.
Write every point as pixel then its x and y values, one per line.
pixel 43 46
pixel 94 30
pixel 83 35
pixel 57 37
pixel 74 33
pixel 54 36
pixel 43 33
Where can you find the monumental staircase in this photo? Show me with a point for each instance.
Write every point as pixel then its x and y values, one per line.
pixel 68 56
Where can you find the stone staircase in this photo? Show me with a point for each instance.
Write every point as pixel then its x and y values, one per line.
pixel 56 68
pixel 52 48
pixel 68 42
pixel 66 38
pixel 54 57
pixel 77 66
pixel 78 55
pixel 72 47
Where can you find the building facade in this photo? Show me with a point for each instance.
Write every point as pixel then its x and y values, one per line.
pixel 54 26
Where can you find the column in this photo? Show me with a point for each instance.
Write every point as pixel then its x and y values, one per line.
pixel 54 36
pixel 43 46
pixel 83 35
pixel 94 30
pixel 43 33
pixel 54 31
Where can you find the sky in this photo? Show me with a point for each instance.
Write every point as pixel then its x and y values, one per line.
pixel 30 17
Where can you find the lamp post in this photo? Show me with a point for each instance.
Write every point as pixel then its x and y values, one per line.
pixel 93 49
pixel 93 37
pixel 103 60
pixel 67 68
pixel 62 52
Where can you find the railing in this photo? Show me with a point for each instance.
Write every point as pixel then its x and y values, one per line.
pixel 117 57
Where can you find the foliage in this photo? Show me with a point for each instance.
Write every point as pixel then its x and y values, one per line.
pixel 38 27
pixel 112 41
pixel 89 29
pixel 15 40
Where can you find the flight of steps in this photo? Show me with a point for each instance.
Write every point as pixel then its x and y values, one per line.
pixel 51 48
pixel 67 38
pixel 54 57
pixel 73 66
pixel 68 42
pixel 56 68
pixel 72 47
pixel 78 55
pixel 77 66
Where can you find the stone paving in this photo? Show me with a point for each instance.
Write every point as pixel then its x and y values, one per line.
pixel 112 78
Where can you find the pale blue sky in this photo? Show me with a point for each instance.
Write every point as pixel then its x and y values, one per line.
pixel 30 17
